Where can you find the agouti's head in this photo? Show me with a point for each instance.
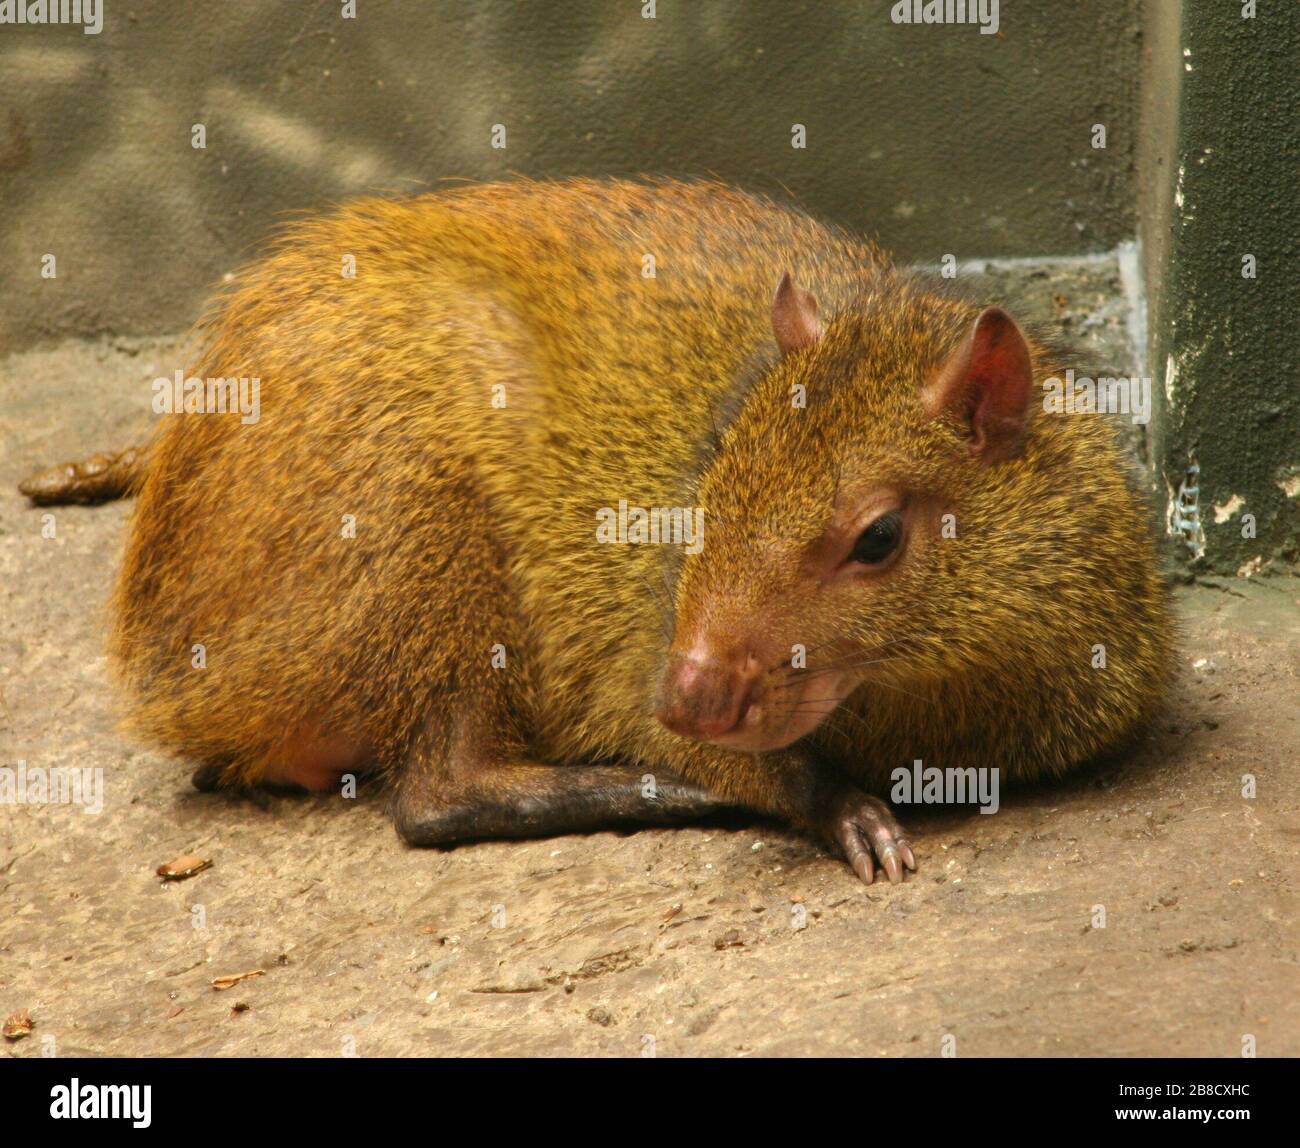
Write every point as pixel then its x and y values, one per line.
pixel 848 510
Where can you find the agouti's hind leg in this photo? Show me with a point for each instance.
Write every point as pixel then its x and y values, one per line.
pixel 455 791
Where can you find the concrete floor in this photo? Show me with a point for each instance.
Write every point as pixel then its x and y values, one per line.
pixel 682 942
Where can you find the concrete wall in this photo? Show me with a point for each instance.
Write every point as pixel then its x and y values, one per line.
pixel 939 138
pixel 1218 167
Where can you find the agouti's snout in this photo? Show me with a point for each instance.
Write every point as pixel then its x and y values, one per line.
pixel 705 696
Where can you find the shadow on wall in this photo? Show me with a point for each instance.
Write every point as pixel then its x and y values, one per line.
pixel 937 138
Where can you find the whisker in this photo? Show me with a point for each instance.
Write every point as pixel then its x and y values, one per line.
pixel 665 617
pixel 873 683
pixel 891 686
pixel 837 725
pixel 799 677
pixel 870 649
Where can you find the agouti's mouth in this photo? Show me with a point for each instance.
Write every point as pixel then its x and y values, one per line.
pixel 736 708
pixel 776 719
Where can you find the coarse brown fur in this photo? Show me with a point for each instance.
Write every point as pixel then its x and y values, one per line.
pixel 381 399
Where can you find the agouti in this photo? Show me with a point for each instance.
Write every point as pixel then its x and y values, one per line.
pixel 426 558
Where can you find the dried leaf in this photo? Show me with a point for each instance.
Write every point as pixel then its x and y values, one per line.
pixel 232 979
pixel 17 1026
pixel 186 865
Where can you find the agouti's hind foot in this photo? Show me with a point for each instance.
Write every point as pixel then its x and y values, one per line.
pixel 207 778
pixel 865 827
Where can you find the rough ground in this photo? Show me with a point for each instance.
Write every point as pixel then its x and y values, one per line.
pixel 604 944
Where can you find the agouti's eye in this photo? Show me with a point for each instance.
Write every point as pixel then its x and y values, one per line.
pixel 879 540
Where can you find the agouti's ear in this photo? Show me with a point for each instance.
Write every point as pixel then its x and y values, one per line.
pixel 987 385
pixel 794 316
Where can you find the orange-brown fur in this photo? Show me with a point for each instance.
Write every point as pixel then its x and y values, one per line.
pixel 475 524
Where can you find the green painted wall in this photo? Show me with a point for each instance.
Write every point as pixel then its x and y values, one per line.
pixel 938 138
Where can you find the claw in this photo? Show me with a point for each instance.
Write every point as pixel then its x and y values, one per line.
pixel 865 828
pixel 863 868
pixel 888 855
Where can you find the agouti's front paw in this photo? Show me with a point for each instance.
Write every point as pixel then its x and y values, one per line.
pixel 863 827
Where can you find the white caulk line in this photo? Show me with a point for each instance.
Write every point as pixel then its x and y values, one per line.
pixel 1128 256
pixel 1012 263
pixel 1023 262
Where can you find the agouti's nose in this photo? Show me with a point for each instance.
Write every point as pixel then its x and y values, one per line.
pixel 705 697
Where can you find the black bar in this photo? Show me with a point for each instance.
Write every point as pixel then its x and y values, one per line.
pixel 341 1096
